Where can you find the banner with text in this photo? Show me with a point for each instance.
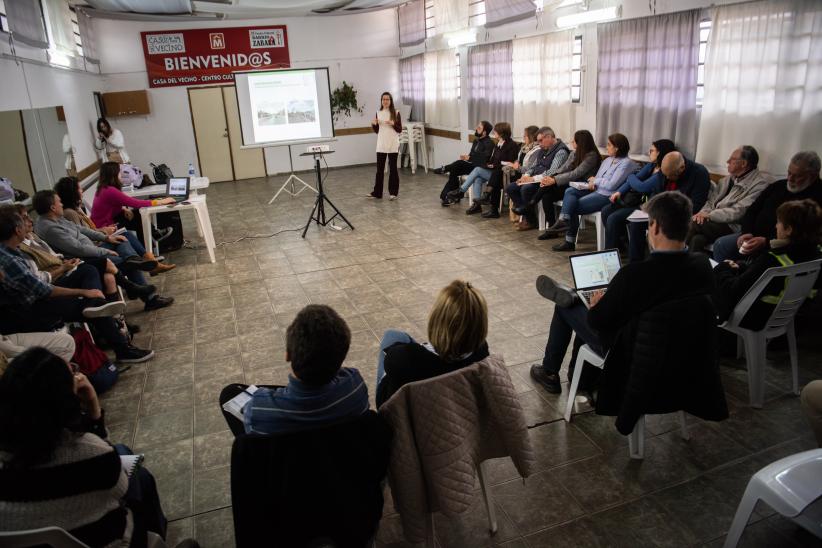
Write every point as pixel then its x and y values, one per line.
pixel 205 56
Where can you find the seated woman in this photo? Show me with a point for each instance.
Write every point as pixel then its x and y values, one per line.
pixel 639 186
pixel 527 158
pixel 457 328
pixel 71 194
pixel 56 469
pixel 581 164
pixel 612 173
pixel 798 235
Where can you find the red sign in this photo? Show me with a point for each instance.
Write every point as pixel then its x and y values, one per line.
pixel 206 56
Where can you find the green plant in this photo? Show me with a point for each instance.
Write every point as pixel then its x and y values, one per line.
pixel 344 100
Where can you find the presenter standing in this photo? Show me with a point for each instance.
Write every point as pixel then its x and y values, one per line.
pixel 387 125
pixel 110 143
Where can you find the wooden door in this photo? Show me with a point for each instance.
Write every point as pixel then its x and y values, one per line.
pixel 248 162
pixel 211 133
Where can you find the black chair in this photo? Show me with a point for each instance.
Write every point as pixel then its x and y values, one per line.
pixel 319 487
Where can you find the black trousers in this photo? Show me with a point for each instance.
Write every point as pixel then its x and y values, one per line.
pixel 549 195
pixel 495 184
pixel 86 276
pixel 228 393
pixel 455 171
pixel 393 174
pixel 700 236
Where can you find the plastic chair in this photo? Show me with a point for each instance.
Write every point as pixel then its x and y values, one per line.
pixel 595 217
pixel 636 440
pixel 799 281
pixel 789 486
pixel 51 536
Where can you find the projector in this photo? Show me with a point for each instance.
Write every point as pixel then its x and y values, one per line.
pixel 312 149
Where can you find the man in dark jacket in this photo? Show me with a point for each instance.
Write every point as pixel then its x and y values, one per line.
pixel 669 275
pixel 478 156
pixel 759 221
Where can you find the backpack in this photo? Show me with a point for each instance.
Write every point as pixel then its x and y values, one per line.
pixel 6 190
pixel 131 175
pixel 162 174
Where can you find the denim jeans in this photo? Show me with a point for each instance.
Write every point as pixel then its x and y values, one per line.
pixel 580 202
pixel 478 177
pixel 125 250
pixel 389 338
pixel 725 247
pixel 564 324
pixel 637 241
pixel 614 219
pixel 135 242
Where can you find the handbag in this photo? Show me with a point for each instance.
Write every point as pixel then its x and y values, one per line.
pixel 115 157
pixel 632 198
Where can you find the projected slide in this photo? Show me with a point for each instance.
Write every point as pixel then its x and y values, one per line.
pixel 279 107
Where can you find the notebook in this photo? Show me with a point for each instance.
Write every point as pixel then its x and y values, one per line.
pixel 593 272
pixel 235 405
pixel 131 462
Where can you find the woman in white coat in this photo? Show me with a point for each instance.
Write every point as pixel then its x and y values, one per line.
pixel 110 143
pixel 387 125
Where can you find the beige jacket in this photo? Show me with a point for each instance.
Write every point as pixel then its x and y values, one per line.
pixel 443 428
pixel 730 209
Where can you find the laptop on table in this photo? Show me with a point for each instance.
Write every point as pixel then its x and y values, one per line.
pixel 593 272
pixel 178 188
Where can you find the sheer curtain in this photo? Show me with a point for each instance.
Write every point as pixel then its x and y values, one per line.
pixel 490 84
pixel 87 36
pixel 763 82
pixel 62 31
pixel 450 15
pixel 542 82
pixel 646 80
pixel 441 104
pixel 412 23
pixel 26 22
pixel 499 12
pixel 412 79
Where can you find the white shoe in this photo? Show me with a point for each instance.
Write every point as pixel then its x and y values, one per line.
pixel 392 197
pixel 112 308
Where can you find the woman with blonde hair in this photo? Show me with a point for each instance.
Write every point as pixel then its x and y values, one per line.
pixel 457 328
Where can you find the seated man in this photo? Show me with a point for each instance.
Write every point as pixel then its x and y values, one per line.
pixel 670 273
pixel 728 200
pixel 551 157
pixel 758 225
pixel 78 241
pixel 320 391
pixel 28 305
pixel 480 152
pixel 683 175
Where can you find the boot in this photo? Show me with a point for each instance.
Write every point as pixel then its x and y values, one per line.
pixel 149 256
pixel 133 290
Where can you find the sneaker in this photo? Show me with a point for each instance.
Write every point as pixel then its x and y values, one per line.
pixel 475 208
pixel 549 381
pixel 371 195
pixel 111 308
pixel 392 197
pixel 445 203
pixel 565 246
pixel 455 195
pixel 132 354
pixel 163 233
pixel 138 291
pixel 555 291
pixel 439 171
pixel 547 235
pixel 158 302
pixel 491 214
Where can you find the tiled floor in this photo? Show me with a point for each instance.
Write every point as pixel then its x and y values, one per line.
pixel 228 322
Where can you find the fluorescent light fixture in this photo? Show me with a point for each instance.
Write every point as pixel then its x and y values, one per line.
pixel 462 37
pixel 566 3
pixel 593 16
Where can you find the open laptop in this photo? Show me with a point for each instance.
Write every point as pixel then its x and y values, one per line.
pixel 178 188
pixel 593 272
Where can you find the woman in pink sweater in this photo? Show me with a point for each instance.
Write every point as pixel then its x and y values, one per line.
pixel 110 200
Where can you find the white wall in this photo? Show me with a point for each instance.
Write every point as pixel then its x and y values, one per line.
pixel 360 49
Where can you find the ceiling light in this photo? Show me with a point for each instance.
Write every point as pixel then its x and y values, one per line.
pixel 592 16
pixel 462 37
pixel 566 3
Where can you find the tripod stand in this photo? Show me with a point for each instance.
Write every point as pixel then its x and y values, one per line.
pixel 318 213
pixel 291 178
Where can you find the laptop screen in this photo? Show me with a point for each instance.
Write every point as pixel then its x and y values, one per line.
pixel 178 187
pixel 591 270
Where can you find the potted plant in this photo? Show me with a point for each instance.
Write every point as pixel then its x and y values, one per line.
pixel 344 100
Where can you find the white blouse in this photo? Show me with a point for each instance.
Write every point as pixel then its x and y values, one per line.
pixel 113 143
pixel 388 140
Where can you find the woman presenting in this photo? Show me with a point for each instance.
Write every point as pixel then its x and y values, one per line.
pixel 110 143
pixel 387 125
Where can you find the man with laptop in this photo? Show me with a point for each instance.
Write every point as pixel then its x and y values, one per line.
pixel 608 298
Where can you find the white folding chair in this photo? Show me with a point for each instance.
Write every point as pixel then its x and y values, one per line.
pixel 792 486
pixel 636 439
pixel 799 281
pixel 50 536
pixel 595 217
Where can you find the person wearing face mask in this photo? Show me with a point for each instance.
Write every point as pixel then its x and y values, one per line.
pixel 758 225
pixel 477 157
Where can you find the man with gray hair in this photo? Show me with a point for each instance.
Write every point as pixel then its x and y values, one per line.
pixel 728 200
pixel 758 225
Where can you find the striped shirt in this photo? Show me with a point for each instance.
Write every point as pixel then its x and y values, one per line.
pixel 299 406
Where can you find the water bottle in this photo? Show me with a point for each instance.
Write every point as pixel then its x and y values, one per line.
pixel 191 169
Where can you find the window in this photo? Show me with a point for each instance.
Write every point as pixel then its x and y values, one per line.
pixel 476 13
pixel 75 26
pixel 459 75
pixel 704 34
pixel 4 22
pixel 430 27
pixel 576 70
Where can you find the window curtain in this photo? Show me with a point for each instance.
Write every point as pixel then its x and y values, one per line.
pixel 646 80
pixel 499 12
pixel 26 22
pixel 450 15
pixel 412 79
pixel 62 31
pixel 87 36
pixel 490 83
pixel 763 82
pixel 441 103
pixel 542 71
pixel 412 23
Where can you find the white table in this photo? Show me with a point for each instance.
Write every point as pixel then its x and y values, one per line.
pixel 197 202
pixel 197 183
